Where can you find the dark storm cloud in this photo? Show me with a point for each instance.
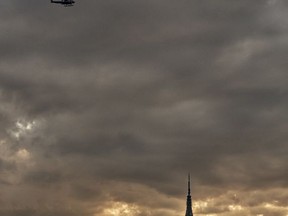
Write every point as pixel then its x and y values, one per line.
pixel 107 98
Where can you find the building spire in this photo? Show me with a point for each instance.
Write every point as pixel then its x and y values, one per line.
pixel 189 211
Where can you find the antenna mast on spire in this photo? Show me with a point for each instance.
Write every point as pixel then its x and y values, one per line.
pixel 189 189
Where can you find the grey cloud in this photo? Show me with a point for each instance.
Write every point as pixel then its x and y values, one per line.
pixel 141 93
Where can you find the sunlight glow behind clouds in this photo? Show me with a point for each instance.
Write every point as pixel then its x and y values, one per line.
pixel 22 128
pixel 23 154
pixel 120 208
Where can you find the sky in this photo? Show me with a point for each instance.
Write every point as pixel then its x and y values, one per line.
pixel 105 107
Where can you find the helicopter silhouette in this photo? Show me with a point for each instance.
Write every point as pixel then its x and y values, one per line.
pixel 65 3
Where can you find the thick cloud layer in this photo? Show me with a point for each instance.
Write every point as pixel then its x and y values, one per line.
pixel 106 106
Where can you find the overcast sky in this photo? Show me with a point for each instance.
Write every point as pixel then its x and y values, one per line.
pixel 106 106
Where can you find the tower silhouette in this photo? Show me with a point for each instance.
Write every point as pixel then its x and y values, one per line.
pixel 189 211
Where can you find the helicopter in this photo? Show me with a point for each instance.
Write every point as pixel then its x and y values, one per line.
pixel 65 3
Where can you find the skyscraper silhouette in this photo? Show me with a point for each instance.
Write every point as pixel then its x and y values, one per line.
pixel 189 211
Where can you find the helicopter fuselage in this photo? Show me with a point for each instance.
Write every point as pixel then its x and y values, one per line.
pixel 64 2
